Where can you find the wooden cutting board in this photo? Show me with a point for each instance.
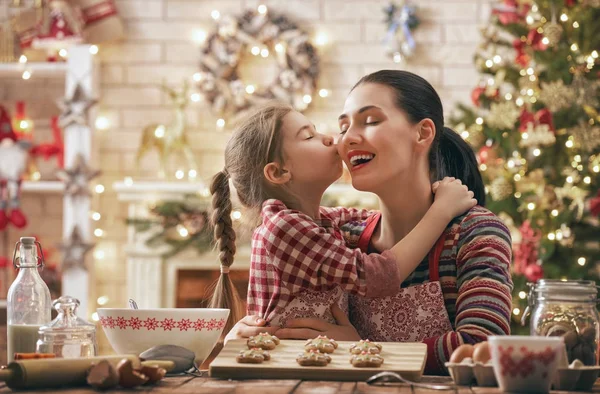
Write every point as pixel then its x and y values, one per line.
pixel 407 359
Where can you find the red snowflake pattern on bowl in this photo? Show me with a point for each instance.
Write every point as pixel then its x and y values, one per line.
pixel 167 324
pixel 524 363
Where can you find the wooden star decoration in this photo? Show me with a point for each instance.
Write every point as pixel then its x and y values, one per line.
pixel 74 250
pixel 77 177
pixel 75 108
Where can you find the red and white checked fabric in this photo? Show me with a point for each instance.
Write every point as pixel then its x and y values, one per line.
pixel 293 254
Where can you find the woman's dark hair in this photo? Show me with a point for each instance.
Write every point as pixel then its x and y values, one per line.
pixel 450 155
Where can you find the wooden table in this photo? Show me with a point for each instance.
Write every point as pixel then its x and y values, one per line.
pixel 205 385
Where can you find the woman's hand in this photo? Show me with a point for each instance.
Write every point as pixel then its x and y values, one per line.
pixel 249 326
pixel 311 328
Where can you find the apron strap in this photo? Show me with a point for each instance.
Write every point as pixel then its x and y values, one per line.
pixel 365 237
pixel 434 259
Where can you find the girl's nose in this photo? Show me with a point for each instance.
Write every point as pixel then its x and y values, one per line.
pixel 328 140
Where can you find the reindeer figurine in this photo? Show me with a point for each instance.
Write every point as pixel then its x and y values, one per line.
pixel 169 139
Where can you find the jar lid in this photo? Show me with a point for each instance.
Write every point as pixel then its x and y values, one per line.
pixel 575 287
pixel 67 320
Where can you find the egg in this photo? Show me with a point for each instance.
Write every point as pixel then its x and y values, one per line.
pixel 461 352
pixel 481 352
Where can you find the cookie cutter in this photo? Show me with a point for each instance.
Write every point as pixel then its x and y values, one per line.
pixel 382 378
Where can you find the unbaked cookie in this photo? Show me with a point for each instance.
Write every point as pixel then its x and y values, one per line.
pixel 321 343
pixel 313 358
pixel 366 360
pixel 253 356
pixel 264 341
pixel 365 346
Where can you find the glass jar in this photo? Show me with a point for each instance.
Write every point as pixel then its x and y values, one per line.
pixel 567 308
pixel 68 336
pixel 28 299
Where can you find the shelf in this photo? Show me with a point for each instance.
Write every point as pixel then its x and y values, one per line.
pixel 153 191
pixel 44 69
pixel 42 187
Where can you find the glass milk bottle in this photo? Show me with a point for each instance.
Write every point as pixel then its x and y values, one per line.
pixel 28 300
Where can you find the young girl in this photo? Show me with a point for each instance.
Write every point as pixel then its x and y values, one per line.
pixel 300 265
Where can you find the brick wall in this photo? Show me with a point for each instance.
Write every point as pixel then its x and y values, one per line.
pixel 160 45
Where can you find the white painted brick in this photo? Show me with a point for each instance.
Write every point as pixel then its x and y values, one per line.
pixel 451 97
pixel 427 32
pixel 139 118
pixel 112 74
pixel 336 32
pixel 137 74
pixel 31 204
pixel 337 75
pixel 460 33
pixel 200 10
pixel 353 10
pixel 294 9
pixel 460 77
pixel 449 11
pixel 431 74
pixel 132 53
pixel 445 55
pixel 208 140
pixel 122 141
pixel 485 10
pixel 114 119
pixel 356 54
pixel 132 96
pixel 140 9
pixel 161 31
pixel 184 53
pixel 110 162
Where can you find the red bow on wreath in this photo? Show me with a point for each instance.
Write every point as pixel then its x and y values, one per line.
pixel 511 12
pixel 534 41
pixel 55 148
pixel 595 205
pixel 543 116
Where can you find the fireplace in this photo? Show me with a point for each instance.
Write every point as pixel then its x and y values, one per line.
pixel 195 287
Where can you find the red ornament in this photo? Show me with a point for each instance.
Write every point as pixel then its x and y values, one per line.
pixel 543 116
pixel 534 272
pixel 570 3
pixel 511 12
pixel 522 58
pixel 6 129
pixel 595 205
pixel 55 148
pixel 534 39
pixel 475 94
pixel 4 262
pixel 526 252
pixel 484 154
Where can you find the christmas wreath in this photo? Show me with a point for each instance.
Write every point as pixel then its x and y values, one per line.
pixel 264 34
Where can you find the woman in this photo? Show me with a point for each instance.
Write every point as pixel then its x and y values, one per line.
pixel 461 293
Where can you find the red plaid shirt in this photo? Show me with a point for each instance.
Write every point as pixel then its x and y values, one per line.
pixel 293 253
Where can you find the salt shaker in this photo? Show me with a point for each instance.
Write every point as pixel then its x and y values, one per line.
pixel 68 336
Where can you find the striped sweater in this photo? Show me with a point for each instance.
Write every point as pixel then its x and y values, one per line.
pixel 474 270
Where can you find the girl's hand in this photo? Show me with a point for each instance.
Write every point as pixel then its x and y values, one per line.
pixel 311 328
pixel 453 197
pixel 249 326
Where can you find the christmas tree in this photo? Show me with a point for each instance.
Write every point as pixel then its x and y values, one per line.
pixel 535 127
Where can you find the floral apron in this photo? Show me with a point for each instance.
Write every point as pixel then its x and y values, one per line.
pixel 412 315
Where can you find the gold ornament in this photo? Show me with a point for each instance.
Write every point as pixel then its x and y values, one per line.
pixel 556 95
pixel 74 250
pixel 77 177
pixel 585 90
pixel 587 137
pixel 537 135
pixel 591 3
pixel 476 137
pixel 503 115
pixel 553 31
pixel 170 139
pixel 501 189
pixel 533 182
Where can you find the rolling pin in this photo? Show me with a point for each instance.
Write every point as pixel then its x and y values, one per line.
pixel 61 372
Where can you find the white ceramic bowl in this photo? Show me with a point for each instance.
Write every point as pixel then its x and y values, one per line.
pixel 525 364
pixel 132 331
